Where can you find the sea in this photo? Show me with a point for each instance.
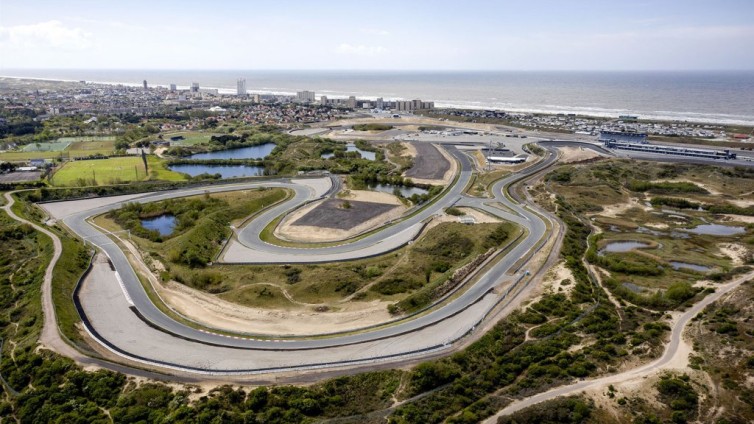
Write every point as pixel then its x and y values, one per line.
pixel 723 97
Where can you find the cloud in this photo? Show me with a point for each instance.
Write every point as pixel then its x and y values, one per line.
pixel 360 50
pixel 45 34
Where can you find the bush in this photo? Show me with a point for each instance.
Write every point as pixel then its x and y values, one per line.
pixel 454 211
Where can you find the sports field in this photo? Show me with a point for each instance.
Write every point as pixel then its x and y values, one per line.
pixel 113 171
pixel 65 147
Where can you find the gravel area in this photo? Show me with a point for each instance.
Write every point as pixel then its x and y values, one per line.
pixel 429 163
pixel 332 214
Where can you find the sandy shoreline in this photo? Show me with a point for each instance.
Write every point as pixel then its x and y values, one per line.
pixel 230 90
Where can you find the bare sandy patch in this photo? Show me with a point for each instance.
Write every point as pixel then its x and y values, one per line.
pixel 551 283
pixel 410 149
pixel 371 196
pixel 612 211
pixel 736 252
pixel 479 218
pixel 214 312
pixel 741 203
pixel 576 154
pixel 657 226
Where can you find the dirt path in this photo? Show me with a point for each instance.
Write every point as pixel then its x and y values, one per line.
pixel 675 356
pixel 50 337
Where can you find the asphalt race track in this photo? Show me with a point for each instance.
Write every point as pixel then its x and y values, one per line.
pixel 118 313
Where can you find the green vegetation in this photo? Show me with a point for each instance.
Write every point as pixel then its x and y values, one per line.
pixel 665 187
pixel 484 181
pixel 679 395
pixel 372 127
pixel 187 138
pixel 203 227
pixel 113 171
pixel 71 265
pixel 424 268
pixel 585 335
pixel 22 266
pixel 186 212
pixel 453 211
pixel 570 410
pixel 396 152
pixel 723 336
pixel 645 277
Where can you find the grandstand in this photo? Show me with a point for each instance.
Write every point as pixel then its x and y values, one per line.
pixel 671 150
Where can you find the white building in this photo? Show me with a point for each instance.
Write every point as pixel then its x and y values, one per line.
pixel 305 96
pixel 241 87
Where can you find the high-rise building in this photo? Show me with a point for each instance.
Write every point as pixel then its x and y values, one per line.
pixel 379 103
pixel 172 87
pixel 305 96
pixel 194 87
pixel 323 100
pixel 145 84
pixel 352 102
pixel 241 87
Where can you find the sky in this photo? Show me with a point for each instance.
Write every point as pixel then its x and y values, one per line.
pixel 378 34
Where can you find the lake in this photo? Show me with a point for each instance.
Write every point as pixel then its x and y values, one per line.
pixel 717 230
pixel 623 246
pixel 405 191
pixel 352 148
pixel 684 265
pixel 163 224
pixel 225 171
pixel 253 152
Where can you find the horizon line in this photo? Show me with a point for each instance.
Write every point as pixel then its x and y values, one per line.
pixel 2 69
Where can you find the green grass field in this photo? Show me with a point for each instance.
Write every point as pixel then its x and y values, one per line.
pixel 113 171
pixel 190 138
pixel 86 148
pixel 17 156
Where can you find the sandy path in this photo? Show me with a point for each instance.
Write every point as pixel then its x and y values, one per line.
pixel 50 337
pixel 675 356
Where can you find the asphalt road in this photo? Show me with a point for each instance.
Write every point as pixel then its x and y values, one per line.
pixel 459 308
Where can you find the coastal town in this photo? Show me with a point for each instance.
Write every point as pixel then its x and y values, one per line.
pixel 28 103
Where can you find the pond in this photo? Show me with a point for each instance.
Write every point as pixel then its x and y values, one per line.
pixel 225 171
pixel 717 230
pixel 352 148
pixel 163 224
pixel 623 246
pixel 405 191
pixel 253 152
pixel 684 265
